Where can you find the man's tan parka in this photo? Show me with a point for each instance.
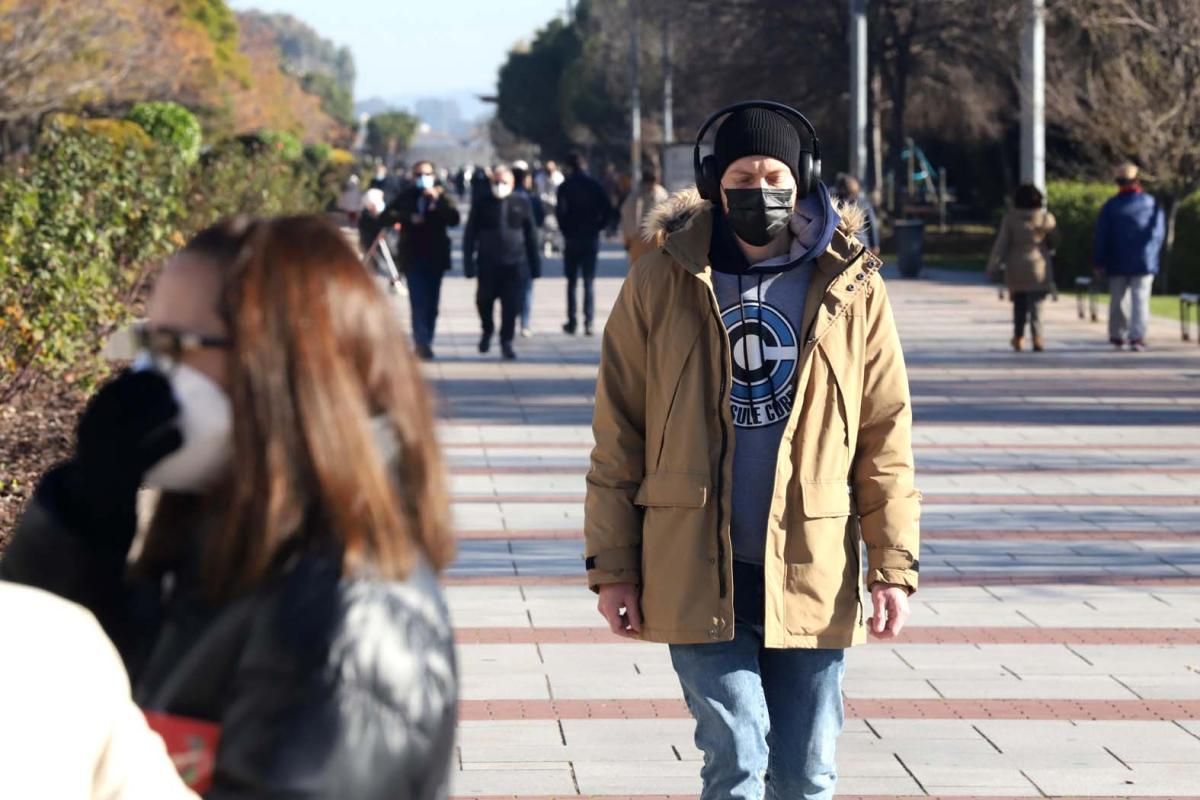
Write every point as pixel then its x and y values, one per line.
pixel 659 488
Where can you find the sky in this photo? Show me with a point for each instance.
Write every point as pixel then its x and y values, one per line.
pixel 421 48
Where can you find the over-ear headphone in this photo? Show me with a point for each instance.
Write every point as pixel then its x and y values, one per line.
pixel 808 171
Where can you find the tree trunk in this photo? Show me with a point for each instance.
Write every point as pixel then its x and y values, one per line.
pixel 876 101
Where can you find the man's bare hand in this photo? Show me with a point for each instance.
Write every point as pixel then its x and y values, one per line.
pixel 620 605
pixel 891 610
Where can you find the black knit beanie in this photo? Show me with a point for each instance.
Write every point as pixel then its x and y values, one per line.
pixel 756 132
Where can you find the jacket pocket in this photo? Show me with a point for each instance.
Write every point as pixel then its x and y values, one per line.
pixel 822 499
pixel 673 489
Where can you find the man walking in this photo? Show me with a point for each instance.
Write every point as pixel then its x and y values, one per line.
pixel 583 211
pixel 849 190
pixel 500 246
pixel 1129 235
pixel 753 427
pixel 425 212
pixel 637 205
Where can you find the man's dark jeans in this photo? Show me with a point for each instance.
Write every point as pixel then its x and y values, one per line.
pixel 424 280
pixel 579 260
pixel 503 284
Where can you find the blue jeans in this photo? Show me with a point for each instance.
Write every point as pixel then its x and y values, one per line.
pixel 767 720
pixel 579 261
pixel 527 302
pixel 424 297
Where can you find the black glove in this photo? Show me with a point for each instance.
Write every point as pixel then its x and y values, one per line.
pixel 124 431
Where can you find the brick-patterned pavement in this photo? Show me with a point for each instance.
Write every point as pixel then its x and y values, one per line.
pixel 1055 644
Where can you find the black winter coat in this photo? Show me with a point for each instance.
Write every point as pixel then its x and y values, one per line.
pixel 502 235
pixel 583 208
pixel 424 234
pixel 324 686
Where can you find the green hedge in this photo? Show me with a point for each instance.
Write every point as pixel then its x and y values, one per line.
pixel 171 125
pixel 84 220
pixel 1076 205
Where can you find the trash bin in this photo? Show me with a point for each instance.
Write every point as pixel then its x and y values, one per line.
pixel 910 245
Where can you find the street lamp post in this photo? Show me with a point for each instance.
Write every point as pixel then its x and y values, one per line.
pixel 635 99
pixel 858 88
pixel 1033 94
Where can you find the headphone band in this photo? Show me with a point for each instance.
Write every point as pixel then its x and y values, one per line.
pixel 770 105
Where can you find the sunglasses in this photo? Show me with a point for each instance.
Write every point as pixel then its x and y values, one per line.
pixel 169 344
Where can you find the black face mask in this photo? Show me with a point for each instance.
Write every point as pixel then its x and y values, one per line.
pixel 758 215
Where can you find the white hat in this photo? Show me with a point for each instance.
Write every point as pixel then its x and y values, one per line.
pixel 521 164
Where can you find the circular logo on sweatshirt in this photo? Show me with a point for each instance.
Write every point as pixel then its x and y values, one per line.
pixel 765 354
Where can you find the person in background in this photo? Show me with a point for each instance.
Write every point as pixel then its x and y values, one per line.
pixel 351 200
pixel 70 730
pixel 849 190
pixel 634 210
pixel 1129 238
pixel 611 181
pixel 425 212
pixel 481 184
pixel 460 183
pixel 582 210
pixel 523 185
pixel 398 182
pixel 286 590
pixel 1023 250
pixel 380 181
pixel 548 181
pixel 500 247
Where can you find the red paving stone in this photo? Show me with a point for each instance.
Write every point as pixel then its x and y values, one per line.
pixel 911 635
pixel 926 536
pixel 1078 710
pixel 927 581
pixel 941 499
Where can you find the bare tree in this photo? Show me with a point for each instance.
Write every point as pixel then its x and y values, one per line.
pixel 1128 87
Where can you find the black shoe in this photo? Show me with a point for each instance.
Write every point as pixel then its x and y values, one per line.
pixel 587 329
pixel 424 352
pixel 507 353
pixel 569 328
pixel 485 343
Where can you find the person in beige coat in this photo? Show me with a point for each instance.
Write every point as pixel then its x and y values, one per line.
pixel 69 729
pixel 753 431
pixel 1022 252
pixel 637 205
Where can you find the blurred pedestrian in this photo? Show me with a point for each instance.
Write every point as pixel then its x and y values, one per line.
pixel 634 210
pixel 611 181
pixel 70 730
pixel 583 210
pixel 287 587
pixel 500 247
pixel 1023 252
pixel 548 181
pixel 425 212
pixel 398 182
pixel 351 200
pixel 380 181
pixel 849 190
pixel 1129 237
pixel 523 185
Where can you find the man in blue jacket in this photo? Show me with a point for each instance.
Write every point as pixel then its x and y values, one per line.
pixel 1129 236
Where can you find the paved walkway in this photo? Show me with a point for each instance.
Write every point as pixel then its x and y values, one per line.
pixel 1054 648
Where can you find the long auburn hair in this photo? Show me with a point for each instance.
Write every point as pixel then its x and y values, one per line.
pixel 318 362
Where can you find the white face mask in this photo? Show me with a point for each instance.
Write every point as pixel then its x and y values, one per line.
pixel 206 422
pixel 501 190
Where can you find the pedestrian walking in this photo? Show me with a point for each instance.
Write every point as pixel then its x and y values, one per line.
pixel 70 730
pixel 634 210
pixel 425 212
pixel 1129 237
pixel 583 211
pixel 1023 253
pixel 849 190
pixel 753 355
pixel 351 200
pixel 381 180
pixel 547 183
pixel 500 248
pixel 286 591
pixel 523 185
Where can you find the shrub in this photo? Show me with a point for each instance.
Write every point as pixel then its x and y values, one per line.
pixel 84 220
pixel 171 125
pixel 283 143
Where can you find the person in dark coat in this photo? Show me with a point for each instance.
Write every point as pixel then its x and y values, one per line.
pixel 425 212
pixel 583 211
pixel 500 246
pixel 286 591
pixel 523 185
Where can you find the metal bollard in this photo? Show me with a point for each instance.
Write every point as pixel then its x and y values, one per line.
pixel 1187 302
